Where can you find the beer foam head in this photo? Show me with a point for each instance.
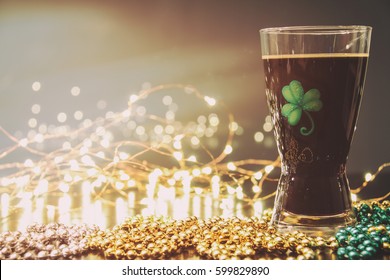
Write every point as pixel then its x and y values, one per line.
pixel 313 55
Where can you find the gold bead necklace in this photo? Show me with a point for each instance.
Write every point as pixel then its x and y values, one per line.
pixel 216 238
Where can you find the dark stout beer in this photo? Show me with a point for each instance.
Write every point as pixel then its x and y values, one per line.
pixel 314 100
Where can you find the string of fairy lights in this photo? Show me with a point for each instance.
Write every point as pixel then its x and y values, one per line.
pixel 152 151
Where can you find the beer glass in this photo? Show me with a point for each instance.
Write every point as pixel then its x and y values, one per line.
pixel 314 79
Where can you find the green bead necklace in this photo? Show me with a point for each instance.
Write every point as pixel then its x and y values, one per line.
pixel 369 238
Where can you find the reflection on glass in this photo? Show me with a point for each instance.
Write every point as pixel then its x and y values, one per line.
pixel 239 213
pixel 51 211
pixel 131 199
pixel 64 204
pixel 208 210
pixel 215 187
pixel 257 208
pixel 196 206
pixel 227 206
pixel 4 209
pixel 85 207
pixel 86 204
pixel 25 205
pixel 149 206
pixel 161 207
pixel 181 207
pixel 4 205
pixel 38 212
pixel 121 210
pixel 98 216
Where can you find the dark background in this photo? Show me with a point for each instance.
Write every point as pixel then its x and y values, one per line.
pixel 110 48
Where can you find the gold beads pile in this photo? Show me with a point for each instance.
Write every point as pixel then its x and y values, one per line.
pixel 145 238
pixel 215 238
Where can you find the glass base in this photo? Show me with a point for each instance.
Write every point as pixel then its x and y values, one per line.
pixel 324 226
pixel 317 205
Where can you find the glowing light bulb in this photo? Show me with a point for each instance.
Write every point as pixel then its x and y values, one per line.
pixel 101 154
pixel 119 185
pixel 123 176
pixel 83 150
pixel 239 193
pixel 74 165
pixel 256 189
pixel 167 100
pixel 36 86
pixel 177 145
pixel 196 172
pixel 42 187
pixel 267 127
pixel 105 143
pixel 192 158
pixel 268 169
pixel 92 172
pixel 368 177
pixel 258 175
pixel 75 91
pixel 37 170
pixel 123 155
pixel 58 159
pixel 207 170
pixel 23 142
pixel 28 163
pixel 78 115
pixel 178 155
pixel 126 113
pixel 61 117
pixel 131 183
pixel 64 187
pixel 259 137
pixel 230 189
pixel 210 101
pixel 195 141
pixel 228 149
pixel 214 120
pixel 231 166
pixel 133 98
pixel 32 122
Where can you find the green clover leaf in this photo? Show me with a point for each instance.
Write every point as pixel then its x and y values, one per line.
pixel 299 102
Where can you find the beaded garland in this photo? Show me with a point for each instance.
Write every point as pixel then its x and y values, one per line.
pixel 370 237
pixel 154 237
pixel 216 238
pixel 52 241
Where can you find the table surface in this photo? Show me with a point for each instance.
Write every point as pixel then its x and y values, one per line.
pixel 113 208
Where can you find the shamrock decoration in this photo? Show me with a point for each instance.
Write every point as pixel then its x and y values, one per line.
pixel 299 101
